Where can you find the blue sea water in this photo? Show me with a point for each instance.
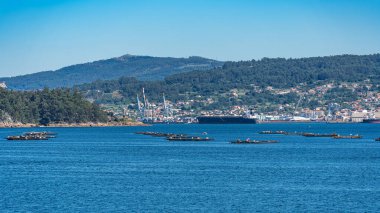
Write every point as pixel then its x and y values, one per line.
pixel 112 169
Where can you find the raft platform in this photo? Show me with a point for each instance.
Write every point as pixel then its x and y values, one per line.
pixel 253 141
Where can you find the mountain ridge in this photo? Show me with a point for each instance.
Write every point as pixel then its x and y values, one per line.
pixel 141 67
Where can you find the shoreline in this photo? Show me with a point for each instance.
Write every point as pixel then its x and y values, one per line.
pixel 89 124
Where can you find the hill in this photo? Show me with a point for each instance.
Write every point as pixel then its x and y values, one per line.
pixel 47 106
pixel 264 82
pixel 141 67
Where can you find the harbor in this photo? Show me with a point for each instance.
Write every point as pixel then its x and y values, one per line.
pixel 167 112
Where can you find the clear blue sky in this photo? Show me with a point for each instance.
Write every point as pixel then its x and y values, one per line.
pixel 37 35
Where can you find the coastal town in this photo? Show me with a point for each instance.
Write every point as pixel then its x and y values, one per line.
pixel 364 105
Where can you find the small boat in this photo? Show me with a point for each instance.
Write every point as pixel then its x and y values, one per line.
pixel 188 138
pixel 253 141
pixel 273 132
pixel 319 135
pixel 377 139
pixel 347 137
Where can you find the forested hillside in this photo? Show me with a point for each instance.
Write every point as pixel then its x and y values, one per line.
pixel 48 106
pixel 245 82
pixel 141 67
pixel 283 73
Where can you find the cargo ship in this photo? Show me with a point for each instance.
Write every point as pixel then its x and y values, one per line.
pixel 226 120
pixel 372 120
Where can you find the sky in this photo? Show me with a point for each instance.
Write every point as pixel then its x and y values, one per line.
pixel 40 35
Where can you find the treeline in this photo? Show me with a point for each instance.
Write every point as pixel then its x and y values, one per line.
pixel 285 73
pixel 48 106
pixel 247 77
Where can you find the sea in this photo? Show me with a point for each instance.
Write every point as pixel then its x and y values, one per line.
pixel 112 169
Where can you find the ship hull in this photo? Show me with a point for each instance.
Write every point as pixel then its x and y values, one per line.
pixel 372 121
pixel 225 120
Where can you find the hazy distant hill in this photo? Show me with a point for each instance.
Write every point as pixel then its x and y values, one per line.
pixel 141 67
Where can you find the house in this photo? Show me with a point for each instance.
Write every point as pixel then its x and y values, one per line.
pixel 3 85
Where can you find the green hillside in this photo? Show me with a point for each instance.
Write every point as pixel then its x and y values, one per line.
pixel 47 106
pixel 247 82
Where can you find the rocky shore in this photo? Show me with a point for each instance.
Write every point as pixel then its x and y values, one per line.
pixel 89 124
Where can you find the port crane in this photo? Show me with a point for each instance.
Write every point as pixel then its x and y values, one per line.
pixel 147 110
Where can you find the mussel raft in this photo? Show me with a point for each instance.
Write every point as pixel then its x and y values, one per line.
pixel 176 137
pixel 160 134
pixel 319 135
pixel 253 141
pixel 32 136
pixel 25 138
pixel 188 138
pixel 279 132
pixel 347 137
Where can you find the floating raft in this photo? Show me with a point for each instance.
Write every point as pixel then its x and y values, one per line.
pixel 41 134
pixel 160 134
pixel 253 141
pixel 295 133
pixel 188 138
pixel 319 135
pixel 347 137
pixel 273 132
pixel 25 138
pixel 176 137
pixel 32 136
